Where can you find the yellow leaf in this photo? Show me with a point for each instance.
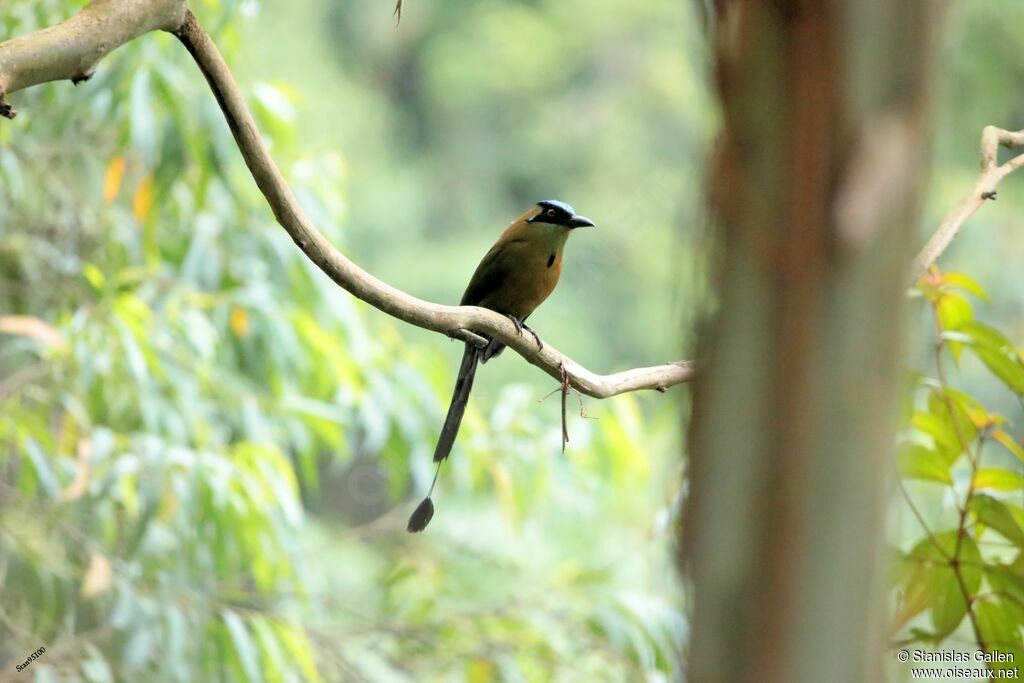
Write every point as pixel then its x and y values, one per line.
pixel 1008 442
pixel 239 321
pixel 94 276
pixel 998 479
pixel 112 180
pixel 97 577
pixel 480 671
pixel 143 200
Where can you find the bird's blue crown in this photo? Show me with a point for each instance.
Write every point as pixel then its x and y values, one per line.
pixel 554 203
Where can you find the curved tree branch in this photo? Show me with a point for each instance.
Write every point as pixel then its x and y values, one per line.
pixel 71 50
pixel 985 188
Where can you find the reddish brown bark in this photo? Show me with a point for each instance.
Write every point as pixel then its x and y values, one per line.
pixel 816 188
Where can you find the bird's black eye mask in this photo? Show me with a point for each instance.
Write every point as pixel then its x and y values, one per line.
pixel 555 213
pixel 559 213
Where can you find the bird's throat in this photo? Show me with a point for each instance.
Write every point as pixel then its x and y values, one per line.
pixel 552 237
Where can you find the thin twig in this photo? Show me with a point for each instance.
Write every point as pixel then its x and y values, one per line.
pixel 973 459
pixel 984 189
pixel 920 520
pixel 565 395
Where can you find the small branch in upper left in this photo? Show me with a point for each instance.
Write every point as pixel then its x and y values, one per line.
pixel 72 49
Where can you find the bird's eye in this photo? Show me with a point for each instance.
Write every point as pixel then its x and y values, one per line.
pixel 552 212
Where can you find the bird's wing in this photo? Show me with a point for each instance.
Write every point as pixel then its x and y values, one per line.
pixel 494 269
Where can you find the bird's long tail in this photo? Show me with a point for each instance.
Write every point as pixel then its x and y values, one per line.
pixel 460 397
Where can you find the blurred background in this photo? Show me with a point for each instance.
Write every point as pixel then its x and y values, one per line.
pixel 208 451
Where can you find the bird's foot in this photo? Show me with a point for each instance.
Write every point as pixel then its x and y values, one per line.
pixel 536 337
pixel 520 326
pixel 517 322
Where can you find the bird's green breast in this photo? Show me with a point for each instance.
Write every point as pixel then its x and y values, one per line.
pixel 525 269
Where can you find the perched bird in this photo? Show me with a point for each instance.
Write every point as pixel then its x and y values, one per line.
pixel 514 278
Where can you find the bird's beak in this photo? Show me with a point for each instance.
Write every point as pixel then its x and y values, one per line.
pixel 580 222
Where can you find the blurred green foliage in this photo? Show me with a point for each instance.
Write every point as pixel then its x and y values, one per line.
pixel 962 574
pixel 960 456
pixel 207 450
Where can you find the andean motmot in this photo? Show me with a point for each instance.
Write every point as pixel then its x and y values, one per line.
pixel 518 273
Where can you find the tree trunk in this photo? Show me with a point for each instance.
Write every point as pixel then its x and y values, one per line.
pixel 816 189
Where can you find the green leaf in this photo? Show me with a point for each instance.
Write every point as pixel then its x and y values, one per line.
pixel 971 408
pixel 1008 579
pixel 955 336
pixel 998 479
pixel 945 406
pixel 954 311
pixel 996 515
pixel 985 335
pixel 965 283
pixel 94 276
pixel 1000 630
pixel 1007 368
pixel 245 648
pixel 917 462
pixel 299 649
pixel 274 661
pixel 997 353
pixel 41 466
pixel 932 583
pixel 950 607
pixel 940 429
pixel 1008 442
pixel 273 102
pixel 964 401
